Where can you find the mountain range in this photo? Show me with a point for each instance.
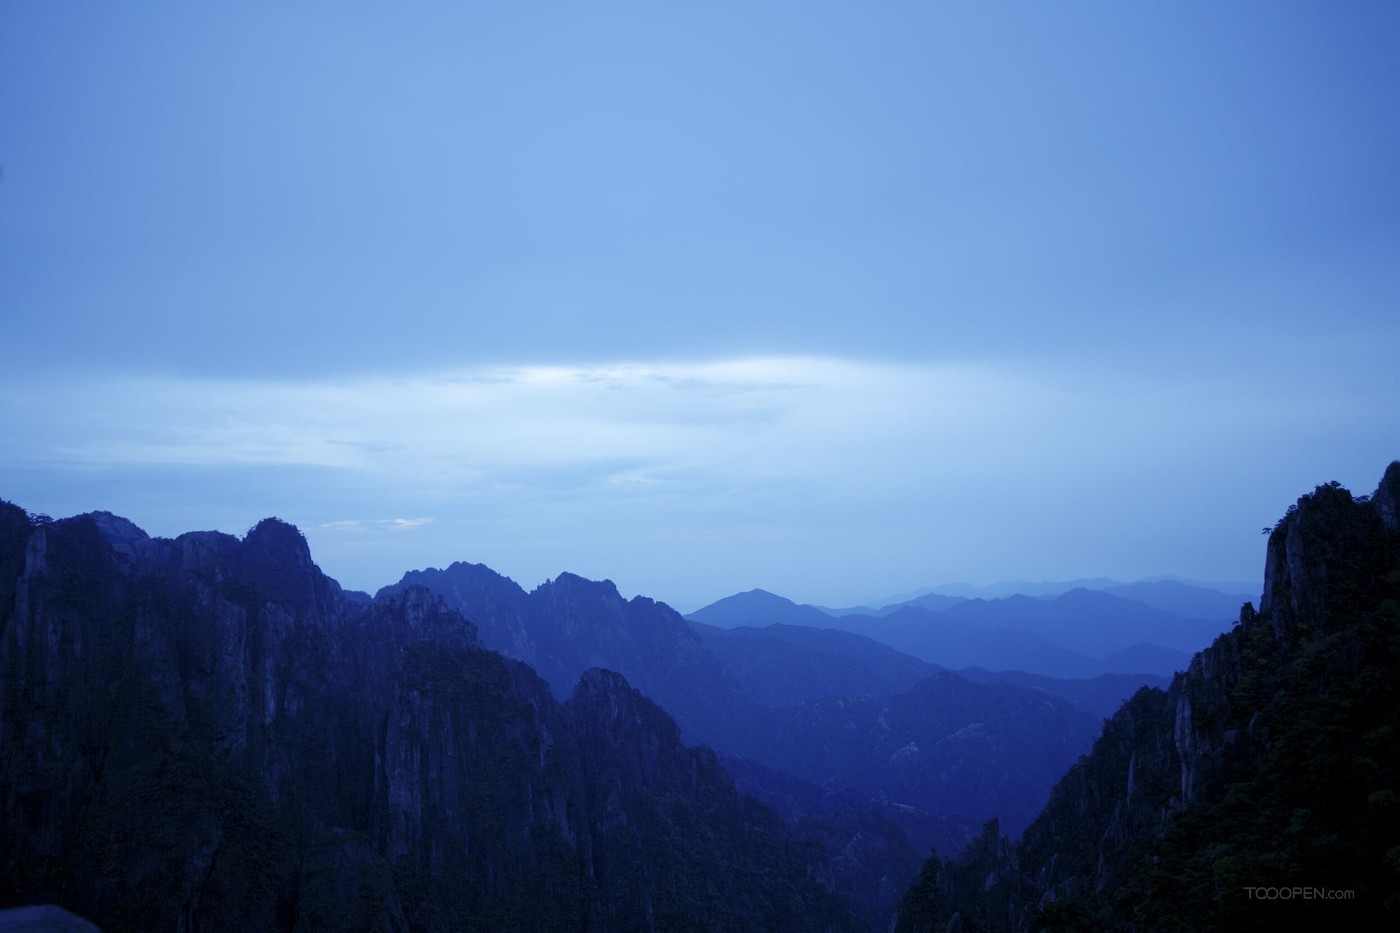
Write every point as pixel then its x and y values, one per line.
pixel 207 732
pixel 1079 633
pixel 1186 597
pixel 316 756
pixel 568 625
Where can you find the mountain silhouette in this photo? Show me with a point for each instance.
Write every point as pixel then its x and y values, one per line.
pixel 1268 765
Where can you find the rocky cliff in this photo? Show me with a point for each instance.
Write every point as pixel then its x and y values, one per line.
pixel 206 733
pixel 1270 765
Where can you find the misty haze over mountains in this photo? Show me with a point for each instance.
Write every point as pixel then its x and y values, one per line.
pixel 246 645
pixel 872 755
pixel 1147 627
pixel 1186 597
pixel 438 755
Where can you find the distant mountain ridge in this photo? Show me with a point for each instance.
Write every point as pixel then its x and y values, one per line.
pixel 1048 588
pixel 758 608
pixel 786 665
pixel 1079 633
pixel 1090 622
pixel 1172 594
pixel 1183 599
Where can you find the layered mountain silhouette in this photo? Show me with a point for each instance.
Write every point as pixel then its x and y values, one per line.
pixel 1186 597
pixel 1079 633
pixel 209 733
pixel 1183 599
pixel 569 625
pixel 785 665
pixel 747 696
pixel 205 733
pixel 755 709
pixel 1257 791
pixel 210 728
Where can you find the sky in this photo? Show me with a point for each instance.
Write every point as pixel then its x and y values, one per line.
pixel 838 300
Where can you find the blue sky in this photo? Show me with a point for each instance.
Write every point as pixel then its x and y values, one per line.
pixel 838 300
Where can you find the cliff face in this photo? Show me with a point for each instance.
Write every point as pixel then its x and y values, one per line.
pixel 1269 762
pixel 205 733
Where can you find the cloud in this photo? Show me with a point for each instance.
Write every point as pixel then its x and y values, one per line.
pixel 761 471
pixel 473 423
pixel 734 426
pixel 361 524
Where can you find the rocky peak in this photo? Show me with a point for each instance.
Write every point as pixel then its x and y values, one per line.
pixel 617 722
pixel 464 576
pixel 128 543
pixel 417 613
pixel 15 531
pixel 495 603
pixel 276 556
pixel 1386 500
pixel 609 698
pixel 571 587
pixel 274 539
pixel 206 553
pixel 600 682
pixel 1316 552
